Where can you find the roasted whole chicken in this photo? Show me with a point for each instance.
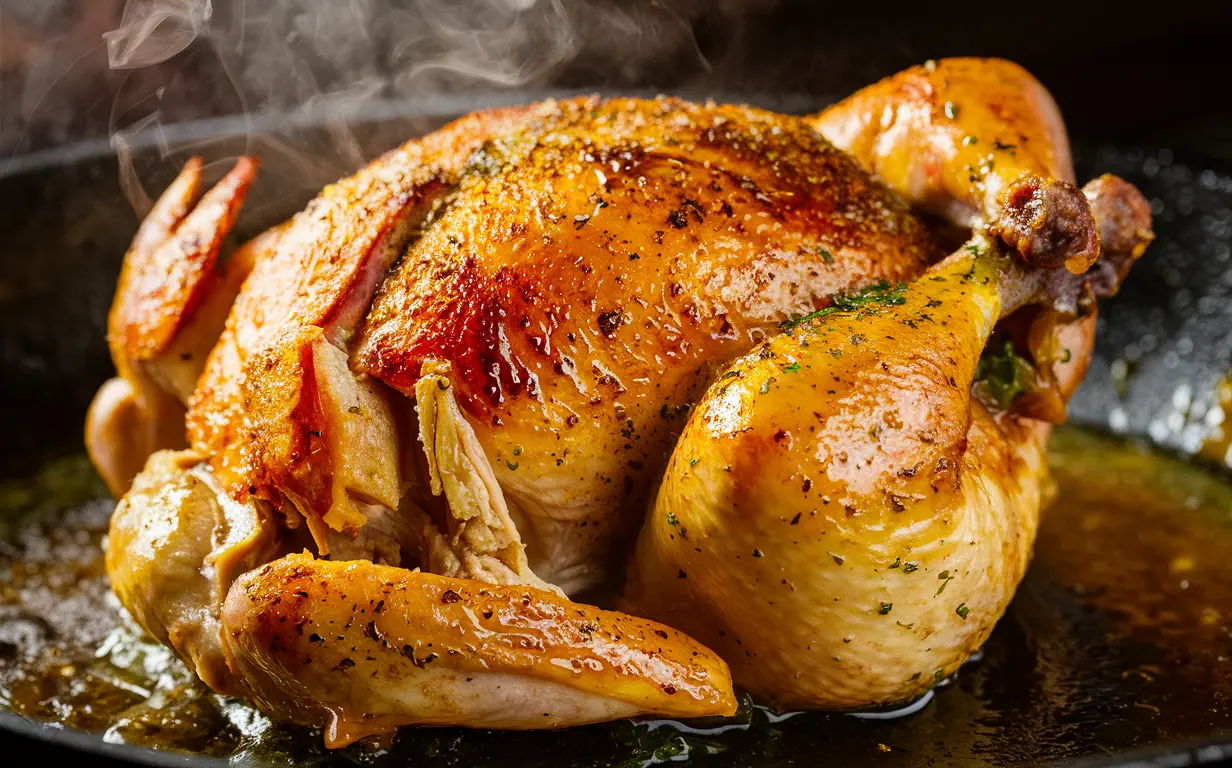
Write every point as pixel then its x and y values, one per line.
pixel 706 364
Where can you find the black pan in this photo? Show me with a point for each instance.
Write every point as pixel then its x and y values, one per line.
pixel 1060 679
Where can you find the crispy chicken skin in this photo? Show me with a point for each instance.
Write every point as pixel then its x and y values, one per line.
pixel 266 408
pixel 589 274
pixel 359 648
pixel 169 308
pixel 446 394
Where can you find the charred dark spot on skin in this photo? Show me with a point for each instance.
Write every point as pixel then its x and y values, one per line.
pixel 408 651
pixel 609 322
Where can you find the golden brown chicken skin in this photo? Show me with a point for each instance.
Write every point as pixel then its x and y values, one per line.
pixel 587 276
pixel 362 649
pixel 171 302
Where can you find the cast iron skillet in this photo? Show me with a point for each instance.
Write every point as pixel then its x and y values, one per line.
pixel 65 226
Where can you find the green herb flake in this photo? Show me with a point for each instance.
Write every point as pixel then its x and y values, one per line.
pixel 825 255
pixel 1006 375
pixel 671 519
pixel 938 676
pixel 1011 148
pixel 513 465
pixel 885 608
pixel 794 367
pixel 962 610
pixel 765 387
pixel 910 567
pixel 969 140
pixel 517 450
pixel 946 578
pixel 879 294
pixel 897 562
pixel 951 110
pixel 693 462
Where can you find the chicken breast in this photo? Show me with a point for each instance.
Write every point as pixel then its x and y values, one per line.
pixel 593 268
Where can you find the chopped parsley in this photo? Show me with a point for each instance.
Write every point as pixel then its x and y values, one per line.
pixel 671 519
pixel 825 255
pixel 885 608
pixel 513 465
pixel 962 610
pixel 876 295
pixel 945 578
pixel 910 567
pixel 693 462
pixel 791 368
pixel 1006 375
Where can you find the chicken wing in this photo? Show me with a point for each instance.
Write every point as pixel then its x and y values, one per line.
pixel 360 648
pixel 169 309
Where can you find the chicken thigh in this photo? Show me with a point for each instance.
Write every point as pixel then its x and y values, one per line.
pixel 454 382
pixel 853 503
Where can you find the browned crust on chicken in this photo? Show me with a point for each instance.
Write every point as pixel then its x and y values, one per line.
pixel 321 275
pixel 170 266
pixel 591 222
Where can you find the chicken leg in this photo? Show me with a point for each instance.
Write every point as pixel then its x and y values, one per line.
pixel 845 517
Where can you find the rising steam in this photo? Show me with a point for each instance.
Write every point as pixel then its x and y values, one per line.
pixel 273 65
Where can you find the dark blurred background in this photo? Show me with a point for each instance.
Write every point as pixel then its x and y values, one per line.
pixel 90 69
